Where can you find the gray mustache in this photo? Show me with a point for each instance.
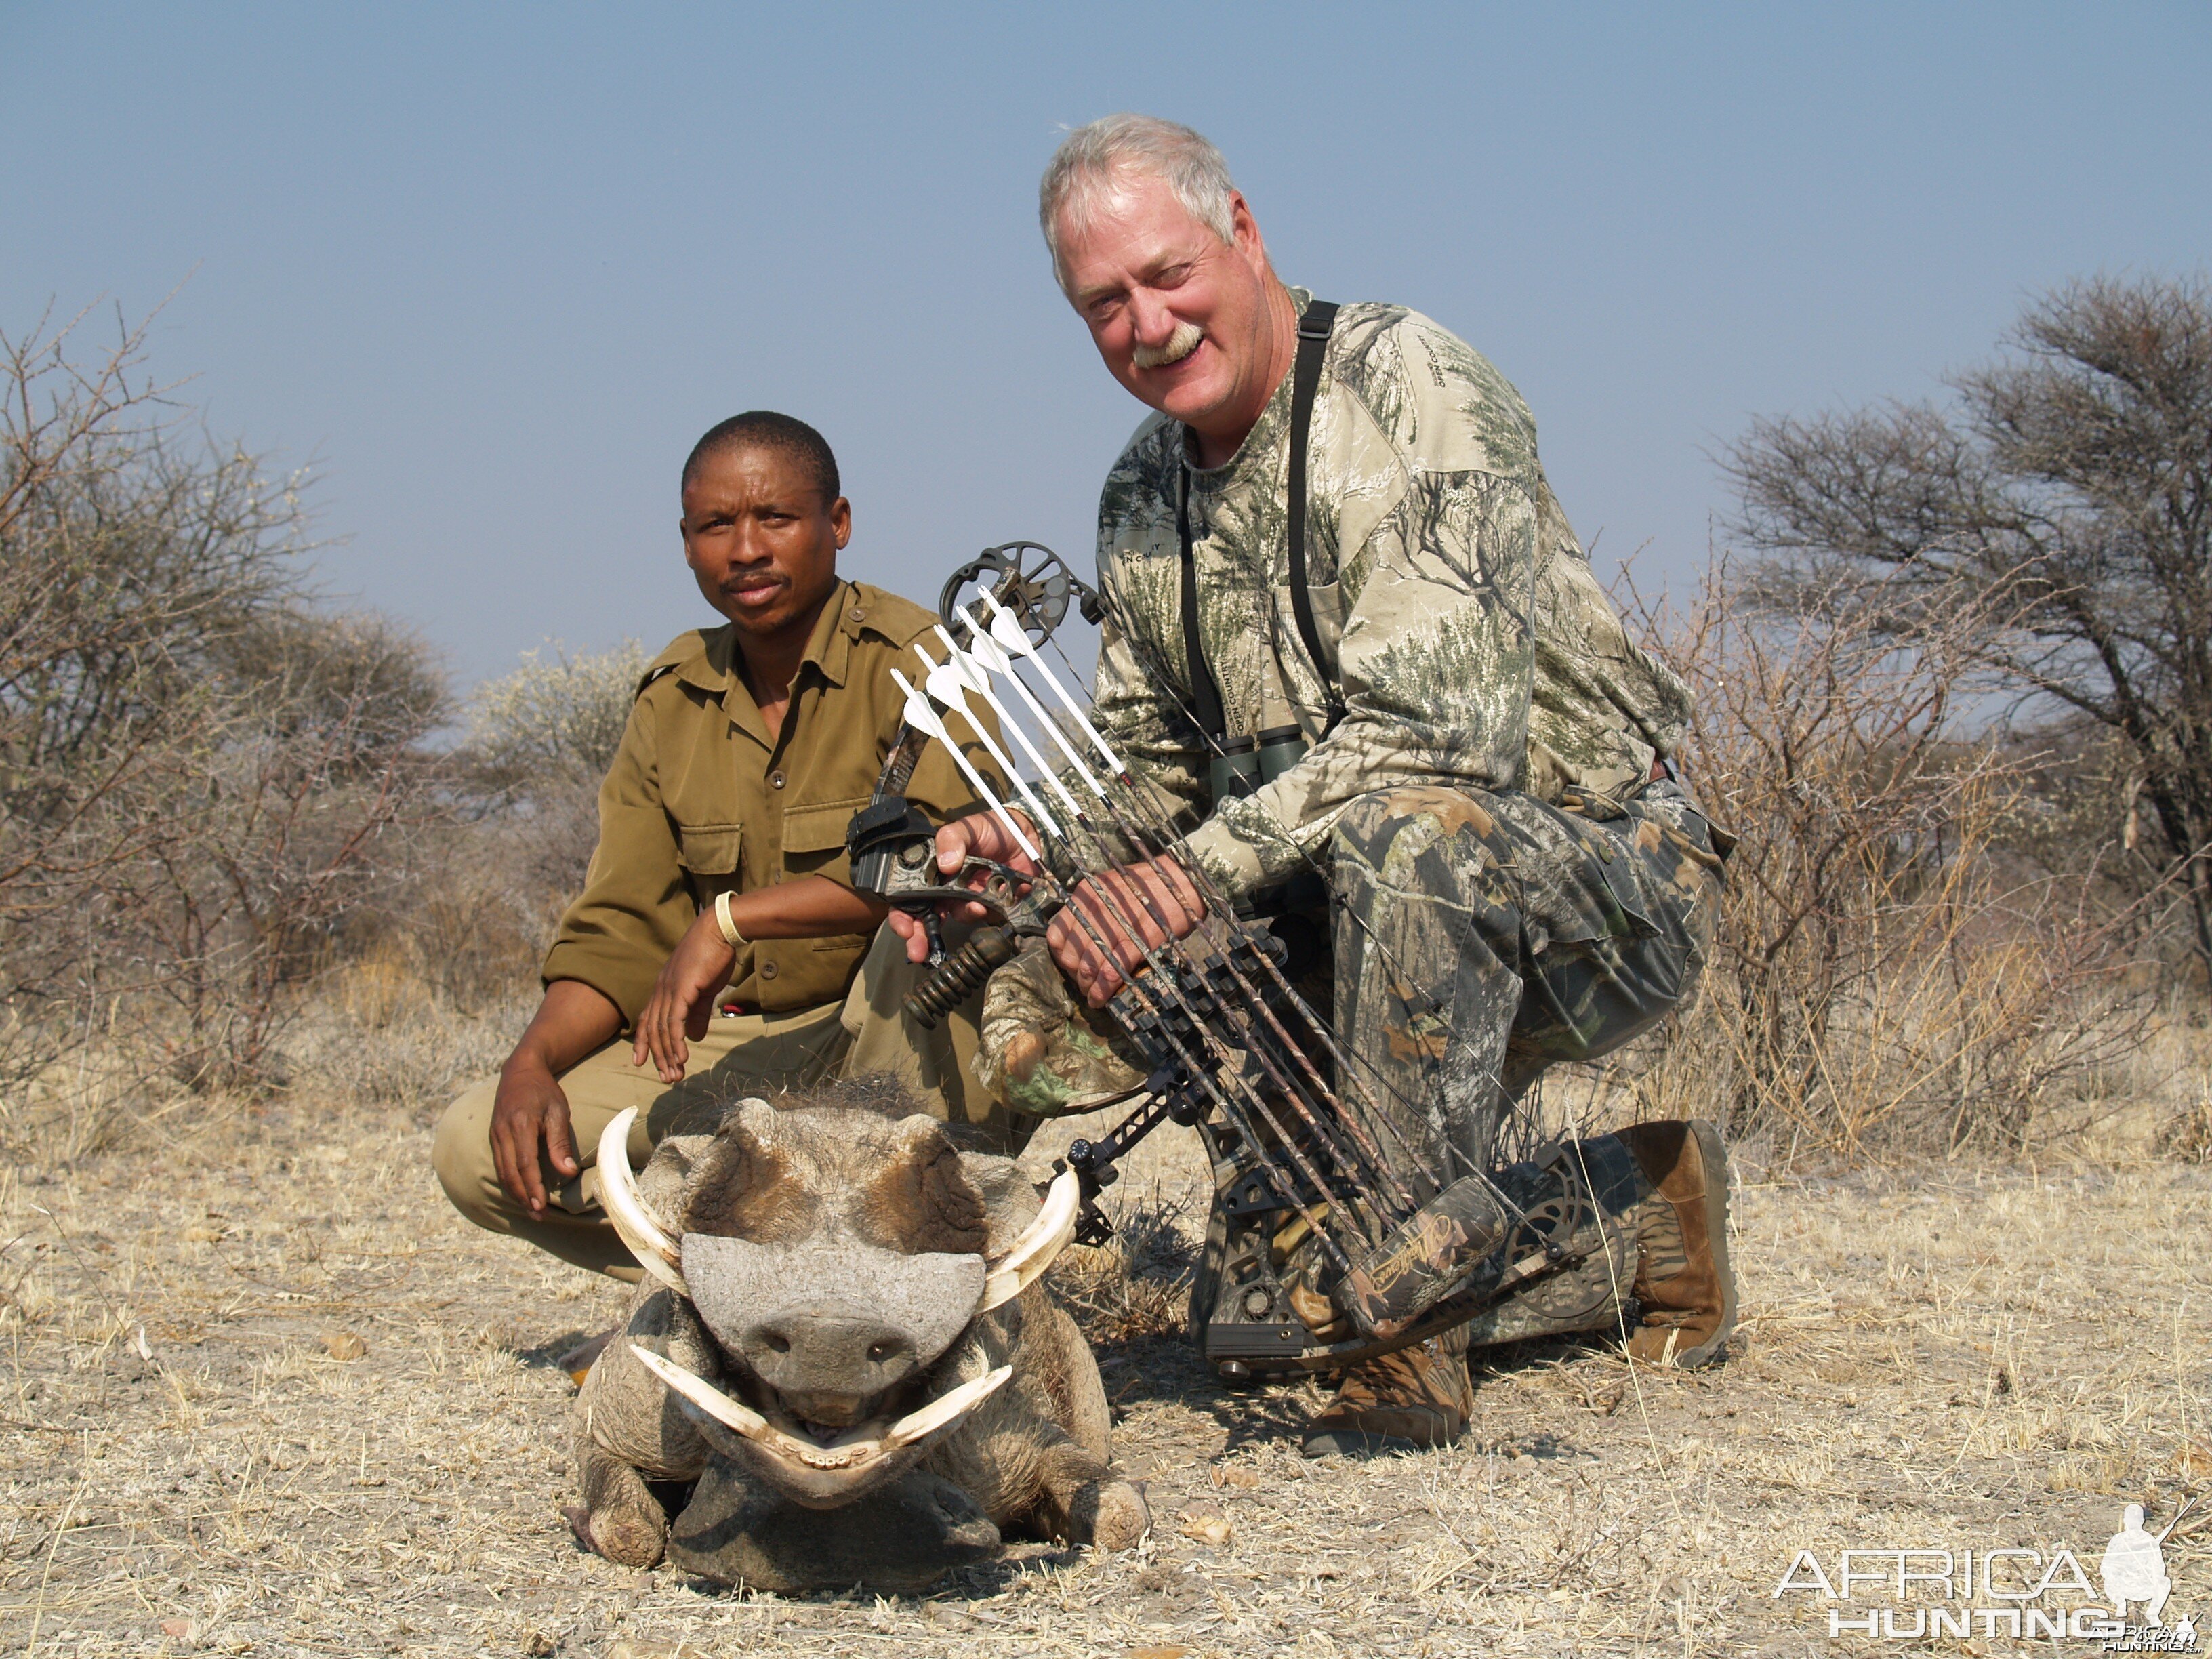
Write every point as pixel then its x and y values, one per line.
pixel 1180 345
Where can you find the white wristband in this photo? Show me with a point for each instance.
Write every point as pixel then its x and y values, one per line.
pixel 731 936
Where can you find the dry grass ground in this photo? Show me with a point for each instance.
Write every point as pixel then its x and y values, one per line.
pixel 263 1394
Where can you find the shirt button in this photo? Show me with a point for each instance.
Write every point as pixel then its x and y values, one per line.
pixel 775 779
pixel 768 971
pixel 858 613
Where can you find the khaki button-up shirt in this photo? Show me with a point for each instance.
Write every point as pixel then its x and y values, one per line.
pixel 699 799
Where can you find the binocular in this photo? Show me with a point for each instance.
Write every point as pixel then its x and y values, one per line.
pixel 1243 764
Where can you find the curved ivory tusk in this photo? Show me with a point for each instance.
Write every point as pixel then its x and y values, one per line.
pixel 655 1251
pixel 1040 1242
pixel 848 1454
pixel 743 1419
pixel 947 1408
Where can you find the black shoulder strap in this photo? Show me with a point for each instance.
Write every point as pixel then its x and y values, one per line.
pixel 1314 326
pixel 1205 694
pixel 1313 342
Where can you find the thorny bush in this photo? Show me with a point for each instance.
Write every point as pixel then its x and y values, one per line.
pixel 202 772
pixel 1888 973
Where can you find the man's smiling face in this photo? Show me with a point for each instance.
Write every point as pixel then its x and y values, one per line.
pixel 760 541
pixel 1179 315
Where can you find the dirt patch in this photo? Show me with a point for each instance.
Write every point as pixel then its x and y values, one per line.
pixel 264 1393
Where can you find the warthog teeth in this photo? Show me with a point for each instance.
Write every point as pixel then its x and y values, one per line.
pixel 1040 1244
pixel 655 1251
pixel 852 1454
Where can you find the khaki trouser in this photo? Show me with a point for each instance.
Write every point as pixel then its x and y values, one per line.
pixel 741 1054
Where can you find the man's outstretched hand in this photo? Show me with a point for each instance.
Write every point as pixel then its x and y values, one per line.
pixel 682 1007
pixel 531 1111
pixel 530 1131
pixel 683 1002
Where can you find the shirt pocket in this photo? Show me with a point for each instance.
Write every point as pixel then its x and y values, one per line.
pixel 814 838
pixel 708 853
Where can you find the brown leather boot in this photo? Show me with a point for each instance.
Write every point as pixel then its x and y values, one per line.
pixel 1410 1401
pixel 1684 1281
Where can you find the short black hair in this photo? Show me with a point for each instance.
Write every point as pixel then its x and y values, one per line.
pixel 763 428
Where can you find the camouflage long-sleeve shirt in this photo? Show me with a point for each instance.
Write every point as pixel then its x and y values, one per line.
pixel 1457 615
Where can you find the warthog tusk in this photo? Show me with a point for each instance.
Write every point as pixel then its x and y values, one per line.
pixel 655 1251
pixel 850 1454
pixel 705 1395
pixel 1040 1242
pixel 955 1403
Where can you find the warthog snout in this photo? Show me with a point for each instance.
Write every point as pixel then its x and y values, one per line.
pixel 827 1357
pixel 830 1327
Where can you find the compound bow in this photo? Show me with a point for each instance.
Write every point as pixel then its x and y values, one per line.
pixel 1305 1154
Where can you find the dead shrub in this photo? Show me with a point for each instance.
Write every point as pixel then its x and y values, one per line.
pixel 204 773
pixel 1885 976
pixel 1136 1285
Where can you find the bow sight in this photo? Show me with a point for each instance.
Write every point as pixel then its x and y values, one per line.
pixel 1351 1233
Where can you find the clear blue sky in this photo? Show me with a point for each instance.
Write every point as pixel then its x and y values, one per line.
pixel 493 269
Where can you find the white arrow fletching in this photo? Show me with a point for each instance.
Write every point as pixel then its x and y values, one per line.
pixel 1008 632
pixel 988 652
pixel 977 677
pixel 919 713
pixel 949 686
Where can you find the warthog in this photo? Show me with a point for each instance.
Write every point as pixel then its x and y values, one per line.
pixel 846 1308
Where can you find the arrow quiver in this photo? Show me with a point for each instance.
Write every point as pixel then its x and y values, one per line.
pixel 1345 1227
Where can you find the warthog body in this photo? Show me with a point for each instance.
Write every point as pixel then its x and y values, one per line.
pixel 858 1411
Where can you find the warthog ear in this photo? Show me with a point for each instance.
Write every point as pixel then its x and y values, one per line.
pixel 740 1186
pixel 667 1174
pixel 923 1201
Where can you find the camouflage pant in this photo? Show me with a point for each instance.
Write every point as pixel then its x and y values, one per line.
pixel 1490 935
pixel 1481 936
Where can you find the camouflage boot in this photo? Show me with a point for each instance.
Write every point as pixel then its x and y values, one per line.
pixel 1645 1212
pixel 1684 1282
pixel 1585 1198
pixel 1414 1399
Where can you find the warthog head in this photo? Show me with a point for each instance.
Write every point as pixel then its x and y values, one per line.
pixel 833 1255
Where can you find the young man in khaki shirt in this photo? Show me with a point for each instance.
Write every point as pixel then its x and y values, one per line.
pixel 749 748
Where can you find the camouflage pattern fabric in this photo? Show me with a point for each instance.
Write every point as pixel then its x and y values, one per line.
pixel 1492 934
pixel 1472 645
pixel 1042 1051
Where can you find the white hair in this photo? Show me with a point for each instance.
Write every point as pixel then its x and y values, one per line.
pixel 1093 162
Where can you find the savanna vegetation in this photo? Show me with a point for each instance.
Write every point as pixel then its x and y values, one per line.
pixel 1955 699
pixel 271 889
